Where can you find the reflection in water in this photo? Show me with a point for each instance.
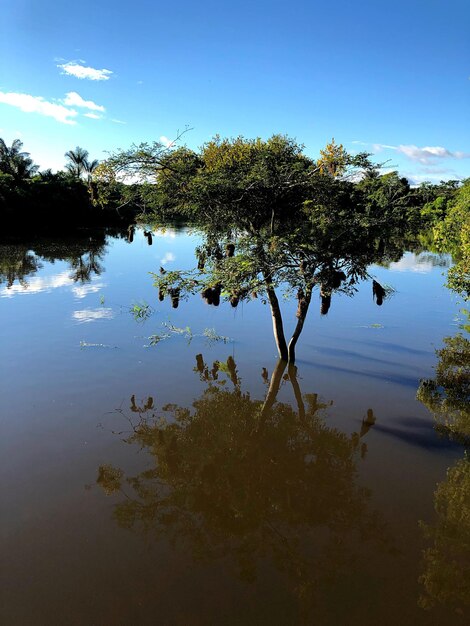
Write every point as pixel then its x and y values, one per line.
pixel 447 396
pixel 246 483
pixel 250 481
pixel 85 266
pixel 19 263
pixel 423 262
pixel 446 563
pixel 36 284
pixel 92 315
pixel 81 291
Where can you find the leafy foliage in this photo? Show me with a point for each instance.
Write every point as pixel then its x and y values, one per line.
pixel 16 163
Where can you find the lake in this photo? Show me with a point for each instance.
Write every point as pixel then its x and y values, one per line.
pixel 158 465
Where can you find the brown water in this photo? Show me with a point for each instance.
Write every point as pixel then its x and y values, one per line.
pixel 198 480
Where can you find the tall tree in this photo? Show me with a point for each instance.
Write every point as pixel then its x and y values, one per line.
pixel 77 162
pixel 15 162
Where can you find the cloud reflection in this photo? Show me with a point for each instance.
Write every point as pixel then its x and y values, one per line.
pixel 168 258
pixel 422 263
pixel 37 285
pixel 45 284
pixel 92 315
pixel 80 291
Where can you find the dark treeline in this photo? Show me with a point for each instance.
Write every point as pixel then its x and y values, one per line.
pixel 43 201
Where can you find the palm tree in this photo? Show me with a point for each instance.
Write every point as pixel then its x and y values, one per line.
pixel 79 164
pixel 90 167
pixel 15 162
pixel 77 159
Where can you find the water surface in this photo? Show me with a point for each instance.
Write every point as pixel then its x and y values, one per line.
pixel 159 466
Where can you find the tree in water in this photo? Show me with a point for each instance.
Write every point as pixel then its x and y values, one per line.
pixel 304 257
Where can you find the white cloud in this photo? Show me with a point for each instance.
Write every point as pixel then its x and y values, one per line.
pixel 93 116
pixel 118 121
pixel 425 155
pixel 37 104
pixel 377 147
pixel 82 71
pixel 431 177
pixel 165 141
pixel 73 99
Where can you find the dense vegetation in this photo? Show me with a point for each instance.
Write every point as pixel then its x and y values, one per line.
pixel 262 187
pixel 32 200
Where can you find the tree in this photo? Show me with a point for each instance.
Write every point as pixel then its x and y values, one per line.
pixel 333 160
pixel 16 163
pixel 453 234
pixel 253 184
pixel 79 163
pixel 76 161
pixel 252 181
pixel 90 168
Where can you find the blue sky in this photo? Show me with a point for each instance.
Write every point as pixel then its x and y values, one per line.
pixel 390 78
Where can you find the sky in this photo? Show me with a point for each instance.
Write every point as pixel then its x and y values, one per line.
pixel 388 78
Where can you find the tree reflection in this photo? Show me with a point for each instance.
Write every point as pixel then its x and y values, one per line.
pixel 17 263
pixel 85 266
pixel 84 254
pixel 446 562
pixel 447 396
pixel 249 480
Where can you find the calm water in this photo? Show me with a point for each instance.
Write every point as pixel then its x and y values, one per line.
pixel 308 513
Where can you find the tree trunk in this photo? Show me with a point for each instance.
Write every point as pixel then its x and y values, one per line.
pixel 304 303
pixel 278 328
